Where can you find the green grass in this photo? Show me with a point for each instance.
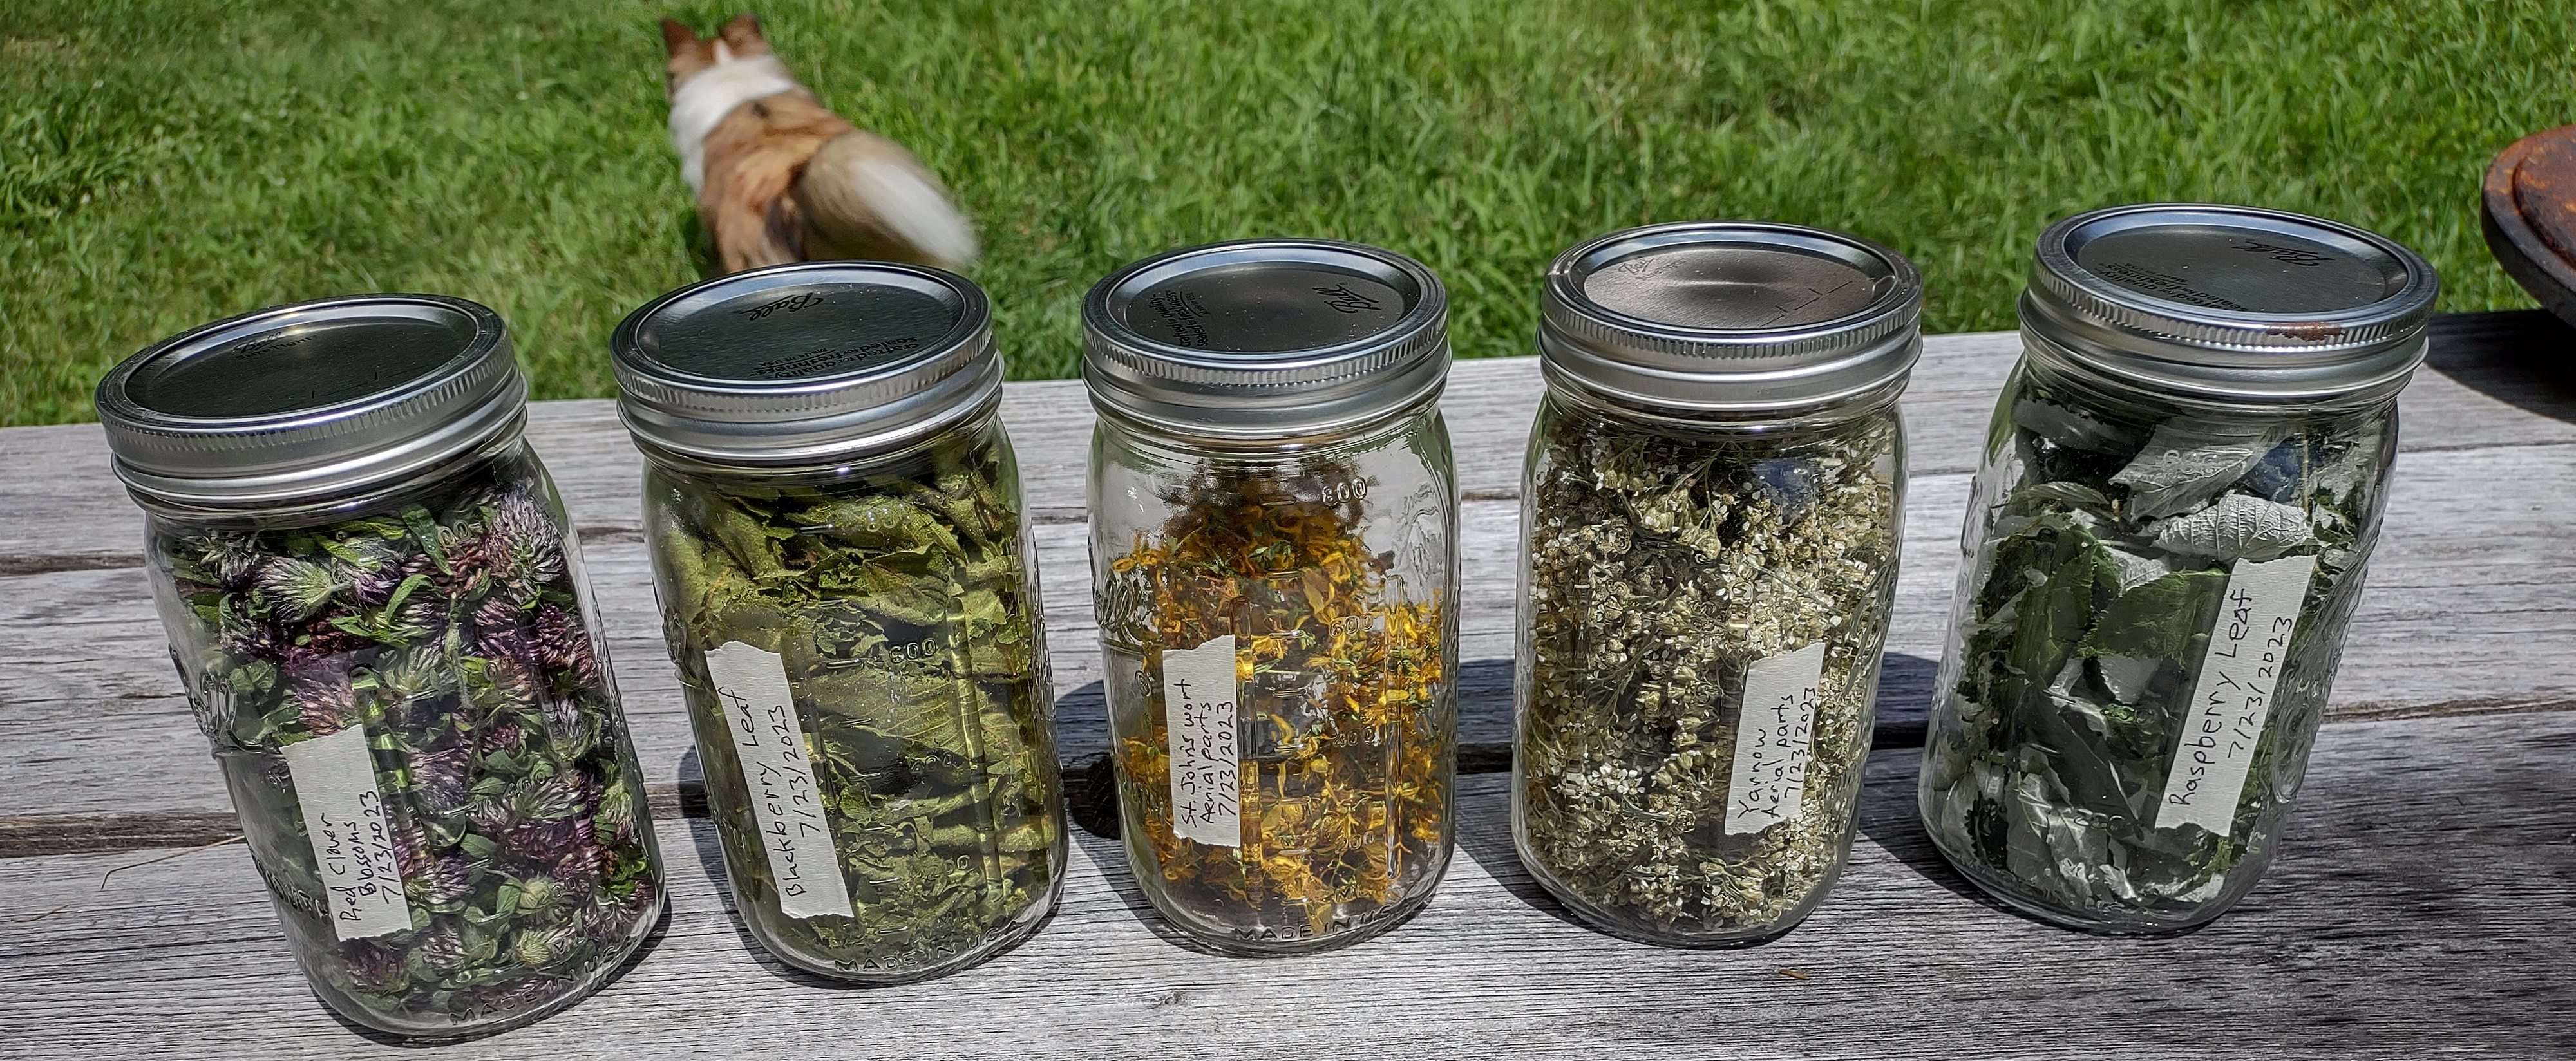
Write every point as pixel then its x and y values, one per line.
pixel 167 162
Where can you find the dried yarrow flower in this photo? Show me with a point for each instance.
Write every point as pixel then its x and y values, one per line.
pixel 1664 566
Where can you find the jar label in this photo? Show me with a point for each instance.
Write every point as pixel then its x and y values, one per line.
pixel 2233 695
pixel 1772 735
pixel 770 743
pixel 1199 696
pixel 353 843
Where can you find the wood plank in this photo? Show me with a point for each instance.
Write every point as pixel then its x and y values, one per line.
pixel 2489 383
pixel 2418 909
pixel 88 698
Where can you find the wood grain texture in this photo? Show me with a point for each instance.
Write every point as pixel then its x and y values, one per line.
pixel 2418 910
pixel 87 692
pixel 2487 384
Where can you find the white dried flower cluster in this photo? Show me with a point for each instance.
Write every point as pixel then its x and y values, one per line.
pixel 1661 566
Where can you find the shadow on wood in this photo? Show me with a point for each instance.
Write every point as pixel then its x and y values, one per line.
pixel 2526 359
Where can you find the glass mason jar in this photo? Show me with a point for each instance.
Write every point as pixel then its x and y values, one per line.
pixel 2179 495
pixel 848 592
pixel 1710 520
pixel 1274 566
pixel 377 606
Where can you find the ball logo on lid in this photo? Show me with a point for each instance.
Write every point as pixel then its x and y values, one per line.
pixel 790 304
pixel 1341 299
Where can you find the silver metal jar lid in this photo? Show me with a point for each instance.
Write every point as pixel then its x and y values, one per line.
pixel 1265 339
pixel 2230 302
pixel 1730 316
pixel 806 363
pixel 312 400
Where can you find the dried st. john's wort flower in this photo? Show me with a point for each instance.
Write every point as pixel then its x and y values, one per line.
pixel 437 656
pixel 905 631
pixel 2118 544
pixel 1706 612
pixel 1342 741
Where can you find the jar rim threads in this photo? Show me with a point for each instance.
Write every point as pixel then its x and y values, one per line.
pixel 850 358
pixel 2230 302
pixel 1730 316
pixel 1265 340
pixel 310 400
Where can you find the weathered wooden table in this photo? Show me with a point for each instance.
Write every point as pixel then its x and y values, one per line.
pixel 2426 901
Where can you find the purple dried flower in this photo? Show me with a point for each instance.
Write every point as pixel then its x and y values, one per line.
pixel 469 563
pixel 524 541
pixel 490 817
pixel 422 617
pixel 438 778
pixel 515 682
pixel 447 882
pixel 411 850
pixel 230 556
pixel 442 948
pixel 547 799
pixel 568 849
pixel 539 948
pixel 505 738
pixel 495 615
pixel 375 969
pixel 570 731
pixel 296 590
pixel 373 587
pixel 251 641
pixel 419 672
pixel 324 700
pixel 564 643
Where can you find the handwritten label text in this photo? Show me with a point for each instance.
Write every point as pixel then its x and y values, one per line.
pixel 1199 695
pixel 752 684
pixel 2233 695
pixel 353 844
pixel 1772 737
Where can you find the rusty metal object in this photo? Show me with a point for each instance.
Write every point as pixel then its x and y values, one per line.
pixel 2530 217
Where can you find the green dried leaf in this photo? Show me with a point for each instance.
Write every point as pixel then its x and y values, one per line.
pixel 2061 745
pixel 2180 469
pixel 892 615
pixel 2164 619
pixel 2238 527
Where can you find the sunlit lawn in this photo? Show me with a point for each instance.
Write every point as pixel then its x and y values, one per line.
pixel 166 162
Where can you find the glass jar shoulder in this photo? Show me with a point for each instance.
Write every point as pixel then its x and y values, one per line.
pixel 1576 435
pixel 1379 482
